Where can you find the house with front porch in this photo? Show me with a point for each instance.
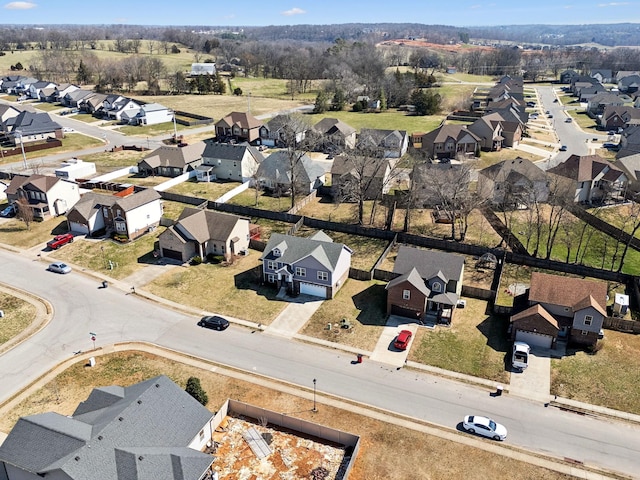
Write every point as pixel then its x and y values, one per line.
pixel 429 284
pixel 451 141
pixel 47 196
pixel 389 143
pixel 200 233
pixel 172 161
pixel 238 127
pixel 513 183
pixel 229 161
pixel 559 308
pixel 310 266
pixel 28 127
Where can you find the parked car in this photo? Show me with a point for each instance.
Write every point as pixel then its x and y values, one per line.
pixel 60 240
pixel 68 130
pixel 520 355
pixel 549 116
pixel 484 426
pixel 9 211
pixel 215 322
pixel 403 339
pixel 59 267
pixel 568 120
pixel 611 132
pixel 555 100
pixel 563 148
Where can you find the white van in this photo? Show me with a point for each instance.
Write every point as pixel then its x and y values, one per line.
pixel 520 358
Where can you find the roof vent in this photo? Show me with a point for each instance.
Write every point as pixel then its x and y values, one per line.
pixel 120 418
pixel 77 459
pixel 140 457
pixel 100 437
pixel 157 385
pixel 139 402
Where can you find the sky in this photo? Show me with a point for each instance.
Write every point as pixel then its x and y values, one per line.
pixel 461 13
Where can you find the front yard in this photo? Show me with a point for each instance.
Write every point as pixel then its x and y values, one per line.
pixel 18 315
pixel 233 290
pixel 363 304
pixel 208 190
pixel 475 344
pixel 609 378
pixel 14 232
pixel 264 201
pixel 110 161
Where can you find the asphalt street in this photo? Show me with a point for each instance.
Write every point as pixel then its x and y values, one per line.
pixel 81 307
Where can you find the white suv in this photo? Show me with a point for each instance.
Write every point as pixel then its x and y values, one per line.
pixel 520 358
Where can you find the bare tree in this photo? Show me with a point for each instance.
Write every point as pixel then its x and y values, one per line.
pixel 24 212
pixel 559 200
pixel 632 222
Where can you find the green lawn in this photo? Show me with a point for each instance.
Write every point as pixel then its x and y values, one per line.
pixel 272 88
pixel 362 304
pixel 208 190
pixel 388 120
pixel 237 288
pixel 609 378
pixel 475 344
pixel 47 107
pixel 265 202
pixel 70 143
pixel 110 161
pixel 14 232
pixel 18 315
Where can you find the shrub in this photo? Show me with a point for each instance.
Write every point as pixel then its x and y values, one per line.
pixel 194 389
pixel 237 91
pixel 197 260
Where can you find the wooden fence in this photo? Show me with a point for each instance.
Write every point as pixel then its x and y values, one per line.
pixel 621 325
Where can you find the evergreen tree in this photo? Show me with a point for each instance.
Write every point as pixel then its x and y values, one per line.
pixel 322 102
pixel 339 100
pixel 194 389
pixel 84 75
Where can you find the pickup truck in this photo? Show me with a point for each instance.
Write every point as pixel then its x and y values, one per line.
pixel 60 240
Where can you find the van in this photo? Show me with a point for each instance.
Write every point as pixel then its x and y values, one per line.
pixel 520 357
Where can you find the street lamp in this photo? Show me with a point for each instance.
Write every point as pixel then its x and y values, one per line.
pixel 314 396
pixel 24 156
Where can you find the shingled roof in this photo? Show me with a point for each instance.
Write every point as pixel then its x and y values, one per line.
pixel 205 225
pixel 169 156
pixel 294 249
pixel 429 263
pixel 567 291
pixel 139 432
pixel 585 168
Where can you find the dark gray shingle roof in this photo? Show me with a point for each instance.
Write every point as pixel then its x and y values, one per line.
pixel 429 263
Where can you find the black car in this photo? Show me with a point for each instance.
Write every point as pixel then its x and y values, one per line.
pixel 215 322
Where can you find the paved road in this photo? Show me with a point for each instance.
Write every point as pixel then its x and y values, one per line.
pixel 81 307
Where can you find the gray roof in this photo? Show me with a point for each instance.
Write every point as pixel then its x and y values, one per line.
pixel 429 263
pixel 413 277
pixel 89 203
pixel 294 249
pixel 205 225
pixel 137 199
pixel 332 126
pixel 169 156
pixel 277 168
pixel 29 123
pixel 229 151
pixel 141 434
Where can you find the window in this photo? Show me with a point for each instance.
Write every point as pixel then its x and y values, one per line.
pixel 406 294
pixel 276 252
pixel 436 287
pixel 301 272
pixel 271 278
pixel 584 332
pixel 323 276
pixel 271 265
pixel 588 319
pixel 201 434
pixel 121 227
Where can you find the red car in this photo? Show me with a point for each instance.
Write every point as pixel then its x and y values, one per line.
pixel 60 240
pixel 403 339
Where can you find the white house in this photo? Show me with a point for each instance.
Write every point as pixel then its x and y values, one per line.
pixel 203 69
pixel 75 168
pixel 46 195
pixel 149 114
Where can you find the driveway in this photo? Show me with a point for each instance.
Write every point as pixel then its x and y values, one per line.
pixel 385 352
pixel 534 382
pixel 294 316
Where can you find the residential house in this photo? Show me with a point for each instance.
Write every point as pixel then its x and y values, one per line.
pixel 581 81
pixel 556 307
pixel 451 141
pixel 567 76
pixel 356 177
pixel 128 214
pixel 629 84
pixel 274 173
pixel 172 161
pixel 152 429
pixel 597 103
pixel 308 266
pixel 36 87
pixel 62 89
pixel 513 183
pixel 9 83
pixel 72 97
pixel 47 196
pixel 48 95
pixel 629 142
pixel 618 117
pixel 204 232
pixel 512 114
pixel 7 112
pixel 115 110
pixel 624 73
pixel 227 161
pixel 28 127
pixel 429 283
pixel 112 101
pixel 330 134
pixel 425 191
pixel 203 69
pixel 593 178
pixel 489 132
pixel 390 143
pixel 148 114
pixel 603 75
pixel 238 127
pixel 23 85
pixel 586 93
pixel 92 103
pixel 630 165
pixel 277 132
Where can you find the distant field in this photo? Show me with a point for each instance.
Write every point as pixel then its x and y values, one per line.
pixel 389 120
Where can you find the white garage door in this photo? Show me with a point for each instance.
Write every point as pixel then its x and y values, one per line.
pixel 78 227
pixel 534 339
pixel 315 290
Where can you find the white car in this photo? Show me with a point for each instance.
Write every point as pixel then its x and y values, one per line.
pixel 68 130
pixel 484 426
pixel 520 356
pixel 59 267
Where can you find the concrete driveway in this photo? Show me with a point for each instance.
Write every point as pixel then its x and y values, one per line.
pixel 385 352
pixel 535 381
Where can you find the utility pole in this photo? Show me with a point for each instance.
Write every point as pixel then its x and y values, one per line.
pixel 24 156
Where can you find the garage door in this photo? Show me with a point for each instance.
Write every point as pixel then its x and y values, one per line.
pixel 534 339
pixel 175 254
pixel 315 290
pixel 404 312
pixel 78 227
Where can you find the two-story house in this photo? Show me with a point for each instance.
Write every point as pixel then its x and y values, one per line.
pixel 238 127
pixel 204 232
pixel 310 266
pixel 229 161
pixel 47 196
pixel 390 143
pixel 280 131
pixel 129 213
pixel 429 283
pixel 512 183
pixel 276 173
pixel 594 178
pixel 450 141
pixel 172 161
pixel 331 134
pixel 555 307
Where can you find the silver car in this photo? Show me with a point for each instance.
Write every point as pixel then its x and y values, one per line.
pixel 484 426
pixel 59 267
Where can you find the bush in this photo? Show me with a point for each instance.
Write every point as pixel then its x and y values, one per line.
pixel 215 259
pixel 237 91
pixel 194 389
pixel 197 260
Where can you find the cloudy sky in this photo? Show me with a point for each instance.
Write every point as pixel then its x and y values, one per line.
pixel 288 12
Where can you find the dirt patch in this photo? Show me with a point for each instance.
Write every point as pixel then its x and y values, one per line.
pixel 455 48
